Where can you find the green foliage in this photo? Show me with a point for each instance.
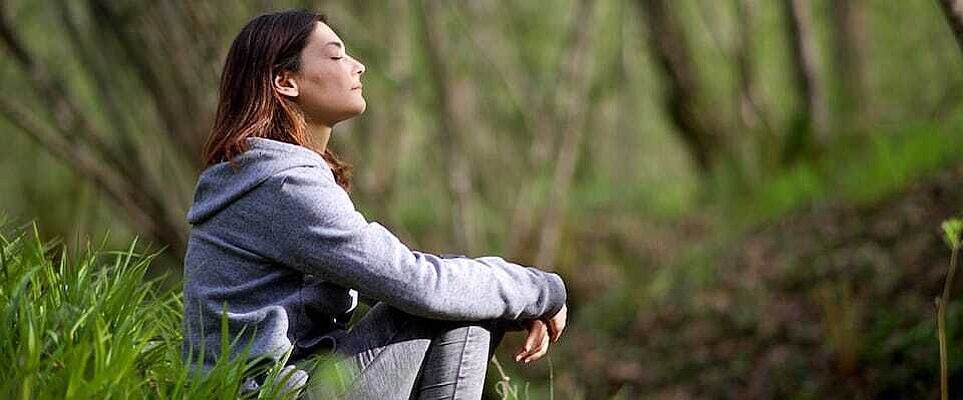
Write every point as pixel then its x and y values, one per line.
pixel 952 229
pixel 93 327
pixel 858 171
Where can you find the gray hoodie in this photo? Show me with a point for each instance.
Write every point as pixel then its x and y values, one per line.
pixel 279 246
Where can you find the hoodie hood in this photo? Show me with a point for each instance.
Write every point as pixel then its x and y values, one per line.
pixel 220 185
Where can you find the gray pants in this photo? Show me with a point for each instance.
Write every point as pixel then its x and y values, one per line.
pixel 390 354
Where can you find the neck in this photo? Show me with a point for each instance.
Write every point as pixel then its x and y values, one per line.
pixel 319 135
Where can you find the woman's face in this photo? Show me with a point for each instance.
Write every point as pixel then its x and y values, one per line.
pixel 329 80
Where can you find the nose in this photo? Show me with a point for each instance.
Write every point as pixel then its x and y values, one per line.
pixel 359 67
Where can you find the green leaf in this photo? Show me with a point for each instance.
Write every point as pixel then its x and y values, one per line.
pixel 952 228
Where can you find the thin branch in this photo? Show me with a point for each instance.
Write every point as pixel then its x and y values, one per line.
pixel 91 60
pixel 459 177
pixel 54 94
pixel 82 160
pixel 174 112
pixel 564 96
pixel 572 106
pixel 80 131
pixel 518 87
pixel 79 144
pixel 738 53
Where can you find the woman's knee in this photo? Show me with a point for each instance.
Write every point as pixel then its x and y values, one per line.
pixel 486 335
pixel 393 322
pixel 457 360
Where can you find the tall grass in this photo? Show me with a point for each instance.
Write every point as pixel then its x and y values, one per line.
pixel 952 230
pixel 92 327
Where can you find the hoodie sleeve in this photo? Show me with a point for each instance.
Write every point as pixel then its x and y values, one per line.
pixel 317 230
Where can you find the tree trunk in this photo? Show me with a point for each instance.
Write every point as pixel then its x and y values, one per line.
pixel 849 29
pixel 809 120
pixel 749 109
pixel 698 126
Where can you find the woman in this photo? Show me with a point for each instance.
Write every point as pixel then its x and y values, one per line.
pixel 277 244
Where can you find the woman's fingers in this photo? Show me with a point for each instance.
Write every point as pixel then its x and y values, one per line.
pixel 539 351
pixel 540 333
pixel 536 331
pixel 536 343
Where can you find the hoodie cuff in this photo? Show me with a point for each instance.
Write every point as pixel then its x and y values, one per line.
pixel 556 294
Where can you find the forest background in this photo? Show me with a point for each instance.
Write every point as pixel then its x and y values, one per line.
pixel 743 196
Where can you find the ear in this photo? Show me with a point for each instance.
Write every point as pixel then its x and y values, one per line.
pixel 285 84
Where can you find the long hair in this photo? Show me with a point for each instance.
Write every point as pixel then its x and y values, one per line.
pixel 248 105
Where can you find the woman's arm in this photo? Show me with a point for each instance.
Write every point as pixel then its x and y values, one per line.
pixel 321 233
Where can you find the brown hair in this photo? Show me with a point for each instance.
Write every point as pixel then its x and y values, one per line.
pixel 248 105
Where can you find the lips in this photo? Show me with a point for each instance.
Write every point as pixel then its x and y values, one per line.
pixel 356 87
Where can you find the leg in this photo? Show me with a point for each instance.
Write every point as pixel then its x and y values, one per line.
pixel 385 355
pixel 457 361
pixel 379 358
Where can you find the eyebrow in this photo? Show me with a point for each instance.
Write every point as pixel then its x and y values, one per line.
pixel 335 43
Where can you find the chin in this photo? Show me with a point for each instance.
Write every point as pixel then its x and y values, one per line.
pixel 359 108
pixel 351 112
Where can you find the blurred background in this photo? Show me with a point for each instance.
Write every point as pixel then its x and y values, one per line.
pixel 744 196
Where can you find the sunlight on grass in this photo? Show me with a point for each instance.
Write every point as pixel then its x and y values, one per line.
pixel 91 327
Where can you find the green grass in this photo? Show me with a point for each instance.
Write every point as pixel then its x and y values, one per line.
pixel 92 327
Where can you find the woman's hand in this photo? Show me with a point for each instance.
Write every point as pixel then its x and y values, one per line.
pixel 536 344
pixel 539 333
